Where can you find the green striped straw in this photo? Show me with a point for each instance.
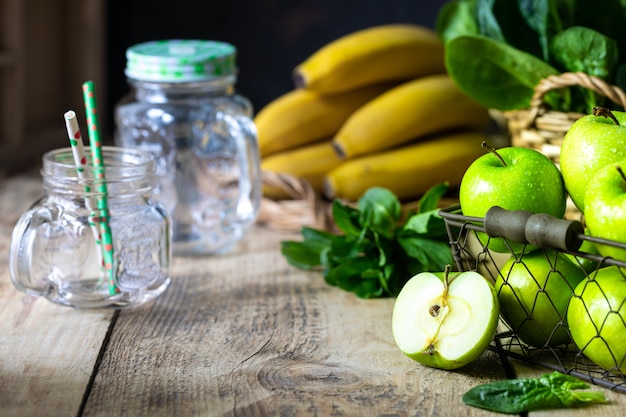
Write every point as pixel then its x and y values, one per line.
pixel 95 144
pixel 80 160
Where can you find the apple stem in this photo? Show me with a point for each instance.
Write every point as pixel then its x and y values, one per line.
pixel 603 111
pixel 493 151
pixel 621 172
pixel 446 279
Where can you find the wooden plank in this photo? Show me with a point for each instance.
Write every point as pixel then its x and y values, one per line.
pixel 47 352
pixel 246 334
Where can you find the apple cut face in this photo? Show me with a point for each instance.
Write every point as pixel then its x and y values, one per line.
pixel 442 329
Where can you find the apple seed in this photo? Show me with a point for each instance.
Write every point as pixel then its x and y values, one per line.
pixel 434 310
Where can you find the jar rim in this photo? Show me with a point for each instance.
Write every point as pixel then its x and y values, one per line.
pixel 121 165
pixel 64 158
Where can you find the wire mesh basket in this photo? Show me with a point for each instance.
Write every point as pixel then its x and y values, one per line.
pixel 540 239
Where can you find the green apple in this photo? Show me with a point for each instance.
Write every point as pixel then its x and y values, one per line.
pixel 514 178
pixel 605 208
pixel 445 321
pixel 596 317
pixel 593 141
pixel 534 291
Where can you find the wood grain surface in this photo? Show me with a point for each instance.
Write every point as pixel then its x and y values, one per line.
pixel 241 334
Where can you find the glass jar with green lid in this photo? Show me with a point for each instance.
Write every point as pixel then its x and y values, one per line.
pixel 184 110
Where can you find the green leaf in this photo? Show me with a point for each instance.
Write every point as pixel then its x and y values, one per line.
pixel 456 18
pixel 380 211
pixel 429 223
pixel 369 258
pixel 347 274
pixel 550 391
pixel 488 24
pixel 497 75
pixel 542 17
pixel 303 255
pixel 433 255
pixel 583 49
pixel 313 235
pixel 430 199
pixel 346 218
pixel 307 254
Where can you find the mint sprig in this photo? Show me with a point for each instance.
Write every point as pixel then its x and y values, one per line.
pixel 376 251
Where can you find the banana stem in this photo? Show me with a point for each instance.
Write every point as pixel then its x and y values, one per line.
pixel 603 111
pixel 493 151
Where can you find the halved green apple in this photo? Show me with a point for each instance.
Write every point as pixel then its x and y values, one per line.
pixel 445 320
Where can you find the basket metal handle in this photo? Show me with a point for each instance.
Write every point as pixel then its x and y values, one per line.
pixel 539 229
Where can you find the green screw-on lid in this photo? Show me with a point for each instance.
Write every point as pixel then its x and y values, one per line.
pixel 180 60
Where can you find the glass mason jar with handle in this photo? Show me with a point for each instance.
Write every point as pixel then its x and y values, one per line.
pixel 183 109
pixel 58 250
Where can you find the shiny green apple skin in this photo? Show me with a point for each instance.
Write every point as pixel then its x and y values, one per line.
pixel 454 334
pixel 530 181
pixel 605 204
pixel 589 310
pixel 534 294
pixel 590 143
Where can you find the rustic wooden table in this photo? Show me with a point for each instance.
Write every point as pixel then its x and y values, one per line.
pixel 242 334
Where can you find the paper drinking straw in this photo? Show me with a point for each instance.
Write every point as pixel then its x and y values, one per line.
pixel 95 144
pixel 80 160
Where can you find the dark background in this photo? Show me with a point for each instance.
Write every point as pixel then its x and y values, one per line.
pixel 271 36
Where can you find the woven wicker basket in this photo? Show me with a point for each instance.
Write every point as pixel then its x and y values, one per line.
pixel 542 129
pixel 305 208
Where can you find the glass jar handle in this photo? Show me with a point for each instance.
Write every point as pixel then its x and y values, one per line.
pixel 21 248
pixel 250 171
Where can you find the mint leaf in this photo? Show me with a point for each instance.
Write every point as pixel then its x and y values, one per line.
pixel 346 218
pixel 430 200
pixel 303 255
pixel 430 253
pixel 377 253
pixel 380 211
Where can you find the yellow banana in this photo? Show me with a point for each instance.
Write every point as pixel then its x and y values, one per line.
pixel 405 113
pixel 300 117
pixel 408 171
pixel 379 53
pixel 310 162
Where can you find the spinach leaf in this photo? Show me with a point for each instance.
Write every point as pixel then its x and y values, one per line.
pixel 456 18
pixel 542 17
pixel 582 49
pixel 488 24
pixel 497 75
pixel 516 43
pixel 515 29
pixel 378 251
pixel 550 391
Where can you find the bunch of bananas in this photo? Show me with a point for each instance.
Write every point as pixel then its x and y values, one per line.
pixel 372 108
